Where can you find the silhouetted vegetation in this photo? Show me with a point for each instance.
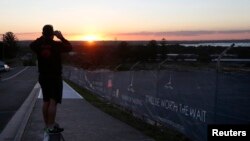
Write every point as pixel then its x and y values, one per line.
pixel 103 55
pixel 9 48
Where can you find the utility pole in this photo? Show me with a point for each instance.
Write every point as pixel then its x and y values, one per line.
pixel 3 49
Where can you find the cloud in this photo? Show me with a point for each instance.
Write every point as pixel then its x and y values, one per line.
pixel 28 33
pixel 235 32
pixel 182 33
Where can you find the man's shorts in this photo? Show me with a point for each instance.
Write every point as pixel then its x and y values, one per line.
pixel 51 87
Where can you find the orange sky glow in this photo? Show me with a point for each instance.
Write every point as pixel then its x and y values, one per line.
pixel 128 20
pixel 99 37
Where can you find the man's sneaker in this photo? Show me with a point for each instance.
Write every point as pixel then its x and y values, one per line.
pixel 54 130
pixel 57 125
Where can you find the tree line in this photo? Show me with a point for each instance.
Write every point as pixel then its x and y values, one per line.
pixel 101 55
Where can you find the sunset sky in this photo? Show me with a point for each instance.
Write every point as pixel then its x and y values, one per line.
pixel 128 19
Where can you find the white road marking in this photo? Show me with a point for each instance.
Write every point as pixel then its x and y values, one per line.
pixel 40 94
pixel 5 79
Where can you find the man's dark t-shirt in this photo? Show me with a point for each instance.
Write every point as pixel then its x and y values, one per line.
pixel 49 55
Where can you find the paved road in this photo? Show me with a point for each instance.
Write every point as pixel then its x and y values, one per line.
pixel 15 86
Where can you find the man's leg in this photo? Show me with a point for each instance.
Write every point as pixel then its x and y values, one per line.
pixel 45 112
pixel 51 114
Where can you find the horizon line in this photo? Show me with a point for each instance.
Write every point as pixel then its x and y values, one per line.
pixel 154 40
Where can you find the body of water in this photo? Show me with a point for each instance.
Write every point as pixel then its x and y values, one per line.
pixel 239 44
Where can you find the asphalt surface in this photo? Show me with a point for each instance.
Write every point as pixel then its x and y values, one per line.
pixel 81 122
pixel 15 86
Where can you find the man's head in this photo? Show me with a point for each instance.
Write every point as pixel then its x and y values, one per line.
pixel 48 31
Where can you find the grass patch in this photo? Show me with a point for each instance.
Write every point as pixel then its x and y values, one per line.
pixel 155 132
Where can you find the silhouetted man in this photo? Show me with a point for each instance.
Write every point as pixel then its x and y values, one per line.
pixel 48 54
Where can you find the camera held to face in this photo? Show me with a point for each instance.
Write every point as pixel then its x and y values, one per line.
pixel 56 33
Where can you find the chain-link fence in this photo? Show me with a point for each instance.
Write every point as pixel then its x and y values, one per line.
pixel 182 98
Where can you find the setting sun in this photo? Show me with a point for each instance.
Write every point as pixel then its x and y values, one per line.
pixel 90 38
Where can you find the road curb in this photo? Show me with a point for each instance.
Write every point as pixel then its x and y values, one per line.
pixel 16 126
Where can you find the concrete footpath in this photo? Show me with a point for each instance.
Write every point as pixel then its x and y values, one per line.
pixel 81 122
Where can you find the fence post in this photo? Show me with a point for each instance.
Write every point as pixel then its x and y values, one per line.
pixel 116 67
pixel 130 86
pixel 218 69
pixel 157 75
